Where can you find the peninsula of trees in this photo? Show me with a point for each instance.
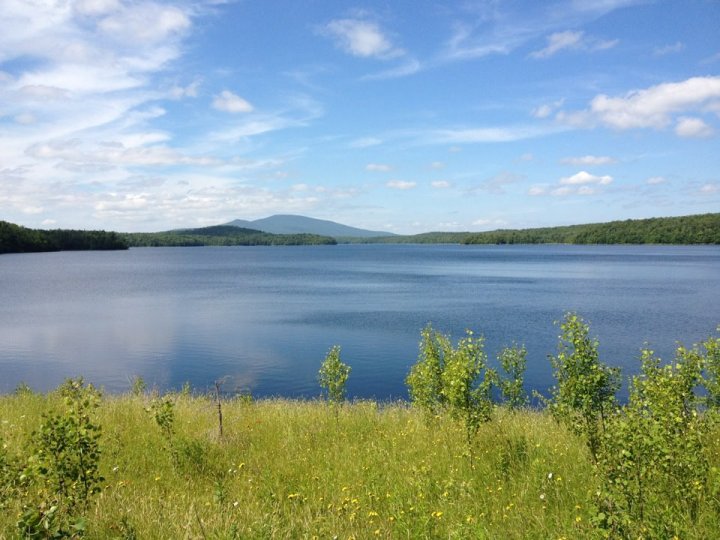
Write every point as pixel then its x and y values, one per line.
pixel 17 239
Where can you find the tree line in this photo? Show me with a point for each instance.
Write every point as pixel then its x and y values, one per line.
pixel 696 229
pixel 18 239
pixel 223 235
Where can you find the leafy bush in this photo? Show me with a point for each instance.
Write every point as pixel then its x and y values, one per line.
pixel 585 390
pixel 467 396
pixel 163 411
pixel 652 465
pixel 63 470
pixel 448 378
pixel 710 352
pixel 425 378
pixel 333 376
pixel 513 361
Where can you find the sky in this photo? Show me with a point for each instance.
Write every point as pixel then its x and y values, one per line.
pixel 402 116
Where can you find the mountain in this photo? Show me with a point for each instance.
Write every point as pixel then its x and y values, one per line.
pixel 291 224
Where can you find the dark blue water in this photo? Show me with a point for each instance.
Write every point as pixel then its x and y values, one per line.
pixel 264 318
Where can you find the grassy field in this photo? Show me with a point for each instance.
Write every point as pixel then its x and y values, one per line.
pixel 295 469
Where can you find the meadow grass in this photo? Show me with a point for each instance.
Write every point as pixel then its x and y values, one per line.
pixel 295 469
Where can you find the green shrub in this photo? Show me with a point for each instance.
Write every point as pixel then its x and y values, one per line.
pixel 710 352
pixel 513 361
pixel 585 390
pixel 425 378
pixel 63 470
pixel 448 378
pixel 467 396
pixel 652 464
pixel 333 376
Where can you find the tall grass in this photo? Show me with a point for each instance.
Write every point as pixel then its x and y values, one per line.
pixel 289 469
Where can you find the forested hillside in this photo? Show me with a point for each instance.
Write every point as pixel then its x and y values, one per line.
pixel 699 229
pixel 17 239
pixel 223 235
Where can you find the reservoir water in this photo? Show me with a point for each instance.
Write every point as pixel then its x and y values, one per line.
pixel 262 319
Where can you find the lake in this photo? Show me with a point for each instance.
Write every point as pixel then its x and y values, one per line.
pixel 263 318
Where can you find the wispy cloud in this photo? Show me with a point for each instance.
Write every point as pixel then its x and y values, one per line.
pixel 365 142
pixel 572 40
pixel 476 135
pixel 557 42
pixel 588 160
pixel 674 48
pixel 378 167
pixel 505 27
pixel 497 185
pixel 401 184
pixel 228 102
pixel 253 123
pixel 409 66
pixel 711 188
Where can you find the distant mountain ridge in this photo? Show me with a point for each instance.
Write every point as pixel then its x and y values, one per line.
pixel 294 224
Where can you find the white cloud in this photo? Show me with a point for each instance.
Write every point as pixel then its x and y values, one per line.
pixel 710 188
pixel 652 107
pixel 588 160
pixel 584 177
pixel 440 184
pixel 361 38
pixel 401 184
pixel 656 180
pixel 559 41
pixel 437 165
pixel 378 167
pixel 582 183
pixel 693 127
pixel 226 101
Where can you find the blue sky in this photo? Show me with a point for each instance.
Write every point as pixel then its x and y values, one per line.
pixel 406 116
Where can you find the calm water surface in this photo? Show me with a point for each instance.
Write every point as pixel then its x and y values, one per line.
pixel 264 318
